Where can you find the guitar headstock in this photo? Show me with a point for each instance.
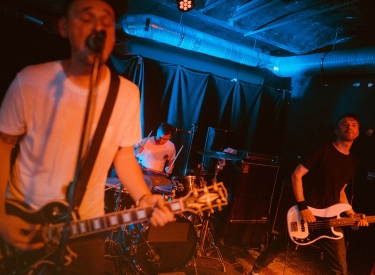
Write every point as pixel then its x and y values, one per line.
pixel 206 198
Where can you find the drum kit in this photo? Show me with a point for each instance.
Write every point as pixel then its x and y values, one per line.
pixel 144 249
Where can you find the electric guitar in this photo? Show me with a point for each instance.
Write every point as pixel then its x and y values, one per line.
pixel 326 219
pixel 52 215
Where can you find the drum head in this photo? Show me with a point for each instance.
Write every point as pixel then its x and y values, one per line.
pixel 167 248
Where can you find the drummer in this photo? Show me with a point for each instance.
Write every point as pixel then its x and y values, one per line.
pixel 157 152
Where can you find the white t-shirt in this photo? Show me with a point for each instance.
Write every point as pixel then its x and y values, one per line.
pixel 154 155
pixel 48 109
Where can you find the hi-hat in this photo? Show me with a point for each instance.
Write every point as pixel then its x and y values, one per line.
pixel 219 155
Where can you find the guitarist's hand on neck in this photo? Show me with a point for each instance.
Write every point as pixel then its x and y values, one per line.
pixel 161 214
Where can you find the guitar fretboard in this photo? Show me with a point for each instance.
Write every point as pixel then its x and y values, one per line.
pixel 349 221
pixel 113 220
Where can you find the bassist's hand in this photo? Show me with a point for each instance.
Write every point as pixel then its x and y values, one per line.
pixel 19 233
pixel 362 221
pixel 307 216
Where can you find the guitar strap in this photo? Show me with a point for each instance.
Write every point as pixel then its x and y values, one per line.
pixel 85 172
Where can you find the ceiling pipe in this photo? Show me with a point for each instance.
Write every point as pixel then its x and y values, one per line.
pixel 359 61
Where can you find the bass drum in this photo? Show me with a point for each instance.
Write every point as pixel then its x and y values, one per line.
pixel 167 248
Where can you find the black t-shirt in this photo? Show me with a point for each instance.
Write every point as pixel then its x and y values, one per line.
pixel 329 171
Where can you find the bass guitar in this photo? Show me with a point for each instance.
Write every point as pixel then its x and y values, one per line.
pixel 302 233
pixel 52 215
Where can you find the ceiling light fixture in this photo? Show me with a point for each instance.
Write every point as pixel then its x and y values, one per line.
pixel 185 5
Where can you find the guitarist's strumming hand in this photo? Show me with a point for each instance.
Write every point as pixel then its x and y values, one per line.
pixel 19 233
pixel 307 216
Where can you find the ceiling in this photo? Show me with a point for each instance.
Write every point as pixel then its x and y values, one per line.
pixel 280 27
pixel 291 26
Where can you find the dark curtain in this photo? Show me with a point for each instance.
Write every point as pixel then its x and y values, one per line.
pixel 188 98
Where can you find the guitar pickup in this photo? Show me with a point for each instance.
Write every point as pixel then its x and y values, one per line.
pixel 293 227
pixel 303 228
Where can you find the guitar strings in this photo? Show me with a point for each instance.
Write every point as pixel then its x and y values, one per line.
pixel 328 223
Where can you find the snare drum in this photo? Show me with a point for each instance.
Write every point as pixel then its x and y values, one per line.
pixel 115 197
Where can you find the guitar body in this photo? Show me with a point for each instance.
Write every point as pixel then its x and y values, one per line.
pixel 305 234
pixel 18 262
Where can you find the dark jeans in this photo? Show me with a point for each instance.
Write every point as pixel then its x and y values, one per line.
pixel 334 253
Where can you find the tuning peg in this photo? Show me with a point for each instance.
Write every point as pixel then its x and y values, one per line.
pixel 216 187
pixel 218 201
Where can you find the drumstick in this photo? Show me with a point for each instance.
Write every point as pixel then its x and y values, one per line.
pixel 147 138
pixel 176 156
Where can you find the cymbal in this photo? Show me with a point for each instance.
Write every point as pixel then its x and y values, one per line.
pixel 152 172
pixel 219 155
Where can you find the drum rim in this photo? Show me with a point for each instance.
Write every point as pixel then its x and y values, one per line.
pixel 185 177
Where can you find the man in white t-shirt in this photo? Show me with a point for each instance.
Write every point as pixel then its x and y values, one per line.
pixel 43 112
pixel 157 152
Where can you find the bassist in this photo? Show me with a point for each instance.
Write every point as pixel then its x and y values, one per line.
pixel 325 173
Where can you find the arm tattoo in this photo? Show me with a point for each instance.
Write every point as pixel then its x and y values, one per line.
pixel 9 139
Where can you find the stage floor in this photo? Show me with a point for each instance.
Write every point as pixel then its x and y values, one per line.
pixel 304 260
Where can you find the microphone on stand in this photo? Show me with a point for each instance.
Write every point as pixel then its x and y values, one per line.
pixel 183 131
pixel 95 41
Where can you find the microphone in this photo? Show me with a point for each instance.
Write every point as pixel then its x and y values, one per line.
pixel 95 41
pixel 370 132
pixel 182 131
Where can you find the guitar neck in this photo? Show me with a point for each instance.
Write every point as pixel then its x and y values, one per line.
pixel 349 221
pixel 114 220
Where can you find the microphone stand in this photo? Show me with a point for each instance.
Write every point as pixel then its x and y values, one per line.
pixel 193 129
pixel 85 137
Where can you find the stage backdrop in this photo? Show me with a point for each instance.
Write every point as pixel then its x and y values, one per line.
pixel 193 101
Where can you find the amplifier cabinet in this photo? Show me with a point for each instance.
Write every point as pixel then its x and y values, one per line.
pixel 254 192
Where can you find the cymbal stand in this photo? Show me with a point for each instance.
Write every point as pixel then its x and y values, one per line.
pixel 206 229
pixel 206 233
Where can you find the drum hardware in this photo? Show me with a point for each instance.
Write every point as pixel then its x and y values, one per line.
pixel 115 196
pixel 184 184
pixel 206 230
pixel 155 250
pixel 206 236
pixel 163 249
